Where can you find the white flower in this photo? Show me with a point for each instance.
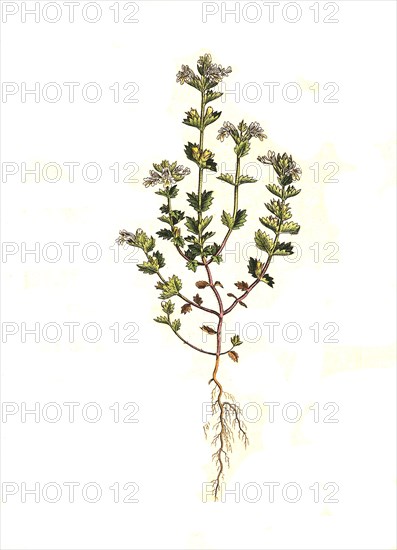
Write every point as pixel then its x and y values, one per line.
pixel 125 237
pixel 226 130
pixel 185 75
pixel 255 130
pixel 166 174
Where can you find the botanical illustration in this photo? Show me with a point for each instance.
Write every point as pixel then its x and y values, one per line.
pixel 191 235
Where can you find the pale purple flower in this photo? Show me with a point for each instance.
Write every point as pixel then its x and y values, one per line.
pixel 185 75
pixel 166 175
pixel 283 165
pixel 255 130
pixel 226 130
pixel 125 237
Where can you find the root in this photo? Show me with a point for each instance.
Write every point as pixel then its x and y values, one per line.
pixel 226 420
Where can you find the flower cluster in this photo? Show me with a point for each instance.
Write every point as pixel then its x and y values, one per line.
pixel 166 174
pixel 185 75
pixel 243 133
pixel 211 72
pixel 215 73
pixel 283 165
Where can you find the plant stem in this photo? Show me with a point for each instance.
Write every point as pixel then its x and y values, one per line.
pixel 179 249
pixel 162 279
pixel 200 183
pixel 235 207
pixel 265 267
pixel 196 348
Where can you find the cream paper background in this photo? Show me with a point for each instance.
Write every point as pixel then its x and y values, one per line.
pixel 165 452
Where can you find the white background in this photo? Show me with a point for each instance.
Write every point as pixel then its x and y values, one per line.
pixel 165 453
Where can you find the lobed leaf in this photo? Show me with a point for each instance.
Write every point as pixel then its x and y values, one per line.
pixel 275 189
pixel 279 209
pixel 242 285
pixel 228 178
pixel 170 288
pixel 233 355
pixel 290 227
pixel 271 223
pixel 235 340
pixel 202 284
pixel 263 241
pixel 284 249
pixel 197 299
pixel 246 179
pixel 208 330
pixel 291 191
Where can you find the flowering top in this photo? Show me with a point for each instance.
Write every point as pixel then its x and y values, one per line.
pixel 211 74
pixel 241 135
pixel 283 165
pixel 243 132
pixel 166 174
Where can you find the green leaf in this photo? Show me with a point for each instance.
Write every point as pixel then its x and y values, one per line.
pixel 168 192
pixel 213 249
pixel 150 267
pixel 165 219
pixel 242 149
pixel 178 241
pixel 291 191
pixel 210 164
pixel 217 259
pixel 193 251
pixel 279 209
pixel 206 201
pixel 193 201
pixel 192 265
pixel 263 241
pixel 160 259
pixel 241 218
pixel 271 223
pixel 211 116
pixel 255 269
pixel 162 319
pixel 165 234
pixel 168 307
pixel 284 249
pixel 143 241
pixel 290 227
pixel 235 340
pixel 246 179
pixel 176 325
pixel 192 151
pixel 192 225
pixel 204 159
pixel 205 223
pixel 238 222
pixel 170 288
pixel 275 189
pixel 192 119
pixel 177 216
pixel 227 220
pixel 228 178
pixel 211 96
pixel 268 280
pixel 207 235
